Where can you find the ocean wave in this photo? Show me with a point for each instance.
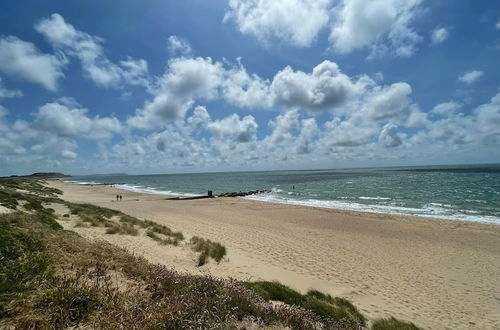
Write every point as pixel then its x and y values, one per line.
pixel 134 188
pixel 427 210
pixel 149 190
pixel 375 198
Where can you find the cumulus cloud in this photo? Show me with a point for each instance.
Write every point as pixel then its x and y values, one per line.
pixel 245 90
pixel 178 46
pixel 233 128
pixel 470 77
pixel 8 93
pixel 284 127
pixel 307 135
pixel 389 136
pixel 22 60
pixel 324 89
pixel 488 117
pixel 389 102
pixel 88 49
pixel 297 22
pixel 65 122
pixel 439 35
pixel 382 25
pixel 186 79
pixel 446 109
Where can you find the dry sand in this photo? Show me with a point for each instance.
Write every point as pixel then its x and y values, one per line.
pixel 439 274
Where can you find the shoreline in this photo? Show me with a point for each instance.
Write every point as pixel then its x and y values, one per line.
pixel 406 266
pixel 489 220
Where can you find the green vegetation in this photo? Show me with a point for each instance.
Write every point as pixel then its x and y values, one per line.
pixel 23 258
pixel 123 229
pixel 322 304
pixel 207 249
pixel 393 324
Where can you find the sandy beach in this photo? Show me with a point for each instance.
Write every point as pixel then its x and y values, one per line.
pixel 439 274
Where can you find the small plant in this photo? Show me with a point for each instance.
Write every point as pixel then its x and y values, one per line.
pixel 392 323
pixel 123 229
pixel 66 215
pixel 207 248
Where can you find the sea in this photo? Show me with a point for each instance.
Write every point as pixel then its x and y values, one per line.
pixel 461 192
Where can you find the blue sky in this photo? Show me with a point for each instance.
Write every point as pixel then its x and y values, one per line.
pixel 187 86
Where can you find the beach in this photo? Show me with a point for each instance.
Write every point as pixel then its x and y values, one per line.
pixel 439 274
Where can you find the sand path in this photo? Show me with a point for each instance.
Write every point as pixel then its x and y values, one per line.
pixel 439 274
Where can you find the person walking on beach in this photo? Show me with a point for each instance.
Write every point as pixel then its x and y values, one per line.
pixel 120 197
pixel 117 197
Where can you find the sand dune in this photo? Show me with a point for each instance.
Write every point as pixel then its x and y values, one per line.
pixel 439 274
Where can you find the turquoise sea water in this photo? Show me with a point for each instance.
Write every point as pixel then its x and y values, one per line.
pixel 470 193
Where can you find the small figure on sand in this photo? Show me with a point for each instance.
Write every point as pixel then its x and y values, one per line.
pixel 120 197
pixel 117 197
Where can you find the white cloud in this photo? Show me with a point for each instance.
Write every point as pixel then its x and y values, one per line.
pixel 68 154
pixel 307 134
pixel 389 102
pixel 234 129
pixel 488 117
pixel 470 77
pixel 8 93
pixel 200 119
pixel 88 49
pixel 346 133
pixel 245 90
pixel 186 79
pixel 446 109
pixel 439 35
pixel 382 25
pixel 498 26
pixel 21 59
pixel 326 88
pixel 297 22
pixel 389 136
pixel 65 122
pixel 284 128
pixel 179 46
pixel 417 118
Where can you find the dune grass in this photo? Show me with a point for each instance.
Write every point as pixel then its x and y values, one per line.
pixel 392 323
pixel 322 304
pixel 207 249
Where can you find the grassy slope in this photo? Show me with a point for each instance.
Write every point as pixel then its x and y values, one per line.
pixel 54 278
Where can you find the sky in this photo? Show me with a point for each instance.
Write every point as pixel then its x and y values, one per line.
pixel 164 86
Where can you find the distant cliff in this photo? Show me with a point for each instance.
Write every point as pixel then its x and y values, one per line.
pixel 43 175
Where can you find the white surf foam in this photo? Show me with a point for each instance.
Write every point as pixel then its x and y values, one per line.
pixel 428 210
